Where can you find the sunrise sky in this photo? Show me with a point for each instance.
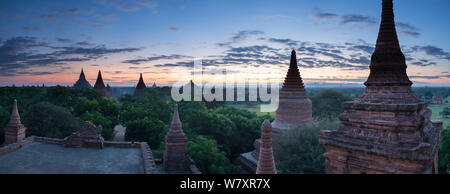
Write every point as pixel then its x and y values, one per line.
pixel 48 42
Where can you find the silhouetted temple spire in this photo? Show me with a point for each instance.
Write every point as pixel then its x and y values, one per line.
pixel 387 65
pixel 175 156
pixel 140 87
pixel 266 163
pixel 141 83
pixel 294 107
pixel 82 83
pixel 14 130
pixel 100 85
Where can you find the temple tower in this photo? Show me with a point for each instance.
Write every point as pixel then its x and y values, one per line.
pixel 387 129
pixel 175 155
pixel 294 108
pixel 141 88
pixel 82 83
pixel 266 163
pixel 99 85
pixel 14 130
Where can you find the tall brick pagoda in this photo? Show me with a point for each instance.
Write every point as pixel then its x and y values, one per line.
pixel 141 88
pixel 175 155
pixel 266 163
pixel 387 129
pixel 82 83
pixel 99 85
pixel 294 108
pixel 14 130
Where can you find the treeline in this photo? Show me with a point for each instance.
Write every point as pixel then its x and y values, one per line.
pixel 58 111
pixel 216 134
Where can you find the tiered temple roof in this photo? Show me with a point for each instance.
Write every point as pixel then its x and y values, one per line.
pixel 387 129
pixel 294 108
pixel 140 88
pixel 14 130
pixel 266 163
pixel 82 83
pixel 100 85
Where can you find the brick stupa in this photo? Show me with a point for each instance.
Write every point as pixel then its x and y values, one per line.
pixel 100 86
pixel 141 88
pixel 175 155
pixel 294 108
pixel 14 130
pixel 266 163
pixel 82 83
pixel 387 129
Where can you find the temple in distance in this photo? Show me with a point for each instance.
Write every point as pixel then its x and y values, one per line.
pixel 82 83
pixel 100 85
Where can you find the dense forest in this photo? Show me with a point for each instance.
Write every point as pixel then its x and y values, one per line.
pixel 217 132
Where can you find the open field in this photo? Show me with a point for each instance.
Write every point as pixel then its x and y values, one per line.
pixel 436 109
pixel 252 108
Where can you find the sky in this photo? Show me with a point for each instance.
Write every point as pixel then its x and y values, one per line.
pixel 49 41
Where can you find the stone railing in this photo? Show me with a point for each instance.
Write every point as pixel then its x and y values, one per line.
pixel 49 140
pixel 147 157
pixel 14 146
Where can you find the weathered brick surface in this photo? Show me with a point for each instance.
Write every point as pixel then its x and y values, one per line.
pixel 387 129
pixel 88 136
pixel 266 162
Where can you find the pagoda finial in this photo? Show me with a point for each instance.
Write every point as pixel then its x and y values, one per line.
pixel 176 122
pixel 293 60
pixel 15 117
pixel 266 163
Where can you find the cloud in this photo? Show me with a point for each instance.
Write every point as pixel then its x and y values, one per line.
pixel 287 41
pixel 429 77
pixel 241 36
pixel 357 19
pixel 155 58
pixel 174 29
pixel 410 33
pixel 433 51
pixel 66 11
pixel 19 54
pixel 408 29
pixel 318 14
pixel 64 40
pixel 128 5
pixel 55 13
pixel 31 28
